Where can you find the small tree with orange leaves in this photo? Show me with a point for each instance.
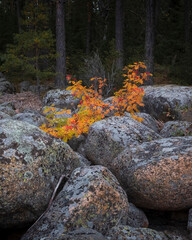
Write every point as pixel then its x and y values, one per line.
pixel 131 95
pixel 92 108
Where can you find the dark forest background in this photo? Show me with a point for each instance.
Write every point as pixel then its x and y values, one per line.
pixel 49 40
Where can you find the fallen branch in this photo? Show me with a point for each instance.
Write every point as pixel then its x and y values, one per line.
pixel 50 201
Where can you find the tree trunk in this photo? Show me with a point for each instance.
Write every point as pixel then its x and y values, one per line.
pixel 18 15
pixel 119 33
pixel 150 38
pixel 157 9
pixel 187 37
pixel 187 24
pixel 88 26
pixel 37 70
pixel 60 45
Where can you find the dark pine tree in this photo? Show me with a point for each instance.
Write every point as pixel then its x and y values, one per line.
pixel 119 33
pixel 60 45
pixel 89 5
pixel 32 53
pixel 187 23
pixel 18 15
pixel 150 37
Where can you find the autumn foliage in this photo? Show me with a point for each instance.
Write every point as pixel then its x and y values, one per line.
pixel 92 107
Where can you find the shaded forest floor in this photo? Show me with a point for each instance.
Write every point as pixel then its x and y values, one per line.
pixel 23 101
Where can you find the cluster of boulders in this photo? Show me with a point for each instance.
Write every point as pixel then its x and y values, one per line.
pixel 26 86
pixel 5 85
pixel 111 175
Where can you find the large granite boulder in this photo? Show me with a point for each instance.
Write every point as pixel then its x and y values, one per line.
pixel 80 234
pixel 31 163
pixel 176 129
pixel 136 217
pixel 148 120
pixel 60 99
pixel 24 86
pixel 107 138
pixel 130 233
pixel 169 102
pixel 4 115
pixel 8 108
pixel 157 174
pixel 91 198
pixel 5 85
pixel 33 118
pixel 41 89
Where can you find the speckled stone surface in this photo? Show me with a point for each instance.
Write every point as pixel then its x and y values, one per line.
pixel 107 138
pixel 31 163
pixel 130 233
pixel 176 128
pixel 8 108
pixel 157 175
pixel 148 120
pixel 80 234
pixel 33 118
pixel 5 85
pixel 136 217
pixel 92 198
pixel 4 115
pixel 169 102
pixel 60 99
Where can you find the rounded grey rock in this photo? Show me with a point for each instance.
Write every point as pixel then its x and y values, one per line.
pixel 31 163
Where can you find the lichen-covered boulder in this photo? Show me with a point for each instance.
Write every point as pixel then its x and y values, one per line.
pixel 169 102
pixel 61 99
pixel 107 138
pixel 42 88
pixel 33 118
pixel 5 85
pixel 176 129
pixel 24 86
pixel 31 163
pixel 80 234
pixel 148 120
pixel 136 217
pixel 4 115
pixel 157 174
pixel 8 108
pixel 130 233
pixel 91 198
